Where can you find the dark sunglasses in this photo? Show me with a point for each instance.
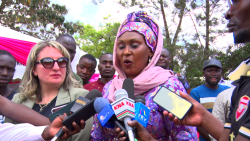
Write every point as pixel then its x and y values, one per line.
pixel 49 62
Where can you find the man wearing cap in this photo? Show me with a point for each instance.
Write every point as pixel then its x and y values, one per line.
pixel 206 94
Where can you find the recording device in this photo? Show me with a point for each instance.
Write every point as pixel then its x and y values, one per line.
pixel 172 102
pixel 124 109
pixel 85 112
pixel 141 111
pixel 106 115
pixel 128 85
pixel 74 105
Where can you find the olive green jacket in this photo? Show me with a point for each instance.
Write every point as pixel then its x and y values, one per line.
pixel 78 78
pixel 63 97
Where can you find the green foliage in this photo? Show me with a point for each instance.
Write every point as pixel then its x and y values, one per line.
pixel 37 18
pixel 98 41
pixel 232 58
pixel 192 58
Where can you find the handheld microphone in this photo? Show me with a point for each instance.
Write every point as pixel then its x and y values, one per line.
pixel 141 111
pixel 75 105
pixel 128 85
pixel 85 112
pixel 106 115
pixel 81 101
pixel 124 110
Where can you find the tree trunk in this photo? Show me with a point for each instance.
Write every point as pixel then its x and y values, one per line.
pixel 179 24
pixel 206 50
pixel 165 23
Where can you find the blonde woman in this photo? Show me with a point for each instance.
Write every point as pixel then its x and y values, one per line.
pixel 48 83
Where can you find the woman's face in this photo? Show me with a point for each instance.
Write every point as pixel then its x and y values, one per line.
pixel 54 76
pixel 133 53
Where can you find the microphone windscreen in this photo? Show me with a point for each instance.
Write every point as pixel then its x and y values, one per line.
pixel 128 85
pixel 120 93
pixel 93 94
pixel 140 98
pixel 99 104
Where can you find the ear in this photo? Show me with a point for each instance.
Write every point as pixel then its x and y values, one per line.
pixel 93 73
pixel 203 72
pixel 99 68
pixel 34 71
pixel 150 54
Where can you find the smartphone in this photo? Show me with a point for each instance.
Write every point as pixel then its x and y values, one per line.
pixel 172 102
pixel 60 110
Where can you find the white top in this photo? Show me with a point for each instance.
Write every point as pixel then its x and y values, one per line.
pixel 226 82
pixel 222 105
pixel 21 132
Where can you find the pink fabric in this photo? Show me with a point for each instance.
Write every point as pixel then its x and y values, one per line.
pixel 18 48
pixel 149 78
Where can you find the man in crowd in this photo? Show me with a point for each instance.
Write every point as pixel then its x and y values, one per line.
pixel 86 67
pixel 206 94
pixel 7 70
pixel 106 70
pixel 27 131
pixel 70 44
pixel 164 61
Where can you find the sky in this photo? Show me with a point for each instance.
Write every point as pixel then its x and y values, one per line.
pixel 87 12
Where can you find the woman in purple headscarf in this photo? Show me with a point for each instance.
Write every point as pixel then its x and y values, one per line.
pixel 137 49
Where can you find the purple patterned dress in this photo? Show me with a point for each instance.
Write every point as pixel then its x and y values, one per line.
pixel 160 127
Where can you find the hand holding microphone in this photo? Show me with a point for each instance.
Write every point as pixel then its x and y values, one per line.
pixel 124 109
pixel 142 133
pixel 84 113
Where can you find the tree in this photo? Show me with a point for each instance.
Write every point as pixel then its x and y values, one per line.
pixel 37 18
pixel 233 57
pixel 98 41
pixel 207 13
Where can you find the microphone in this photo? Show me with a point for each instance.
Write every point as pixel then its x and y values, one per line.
pixel 128 85
pixel 141 111
pixel 81 101
pixel 106 115
pixel 85 112
pixel 124 110
pixel 74 105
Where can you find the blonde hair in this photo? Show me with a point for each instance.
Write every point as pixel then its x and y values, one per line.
pixel 30 87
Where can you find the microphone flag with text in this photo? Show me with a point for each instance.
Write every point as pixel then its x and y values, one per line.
pixel 106 115
pixel 124 109
pixel 141 111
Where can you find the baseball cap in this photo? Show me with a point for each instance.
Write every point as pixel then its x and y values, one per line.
pixel 212 62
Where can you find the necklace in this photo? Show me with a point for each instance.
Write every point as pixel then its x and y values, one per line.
pixel 43 105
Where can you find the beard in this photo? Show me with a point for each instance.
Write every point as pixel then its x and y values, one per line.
pixel 212 83
pixel 241 36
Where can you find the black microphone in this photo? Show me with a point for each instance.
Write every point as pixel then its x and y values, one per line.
pixel 81 101
pixel 85 112
pixel 128 85
pixel 74 105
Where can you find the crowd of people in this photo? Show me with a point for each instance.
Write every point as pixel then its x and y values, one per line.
pixel 220 107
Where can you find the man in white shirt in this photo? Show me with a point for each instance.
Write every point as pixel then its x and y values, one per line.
pixel 28 132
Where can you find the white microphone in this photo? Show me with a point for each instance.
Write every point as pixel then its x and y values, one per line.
pixel 124 109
